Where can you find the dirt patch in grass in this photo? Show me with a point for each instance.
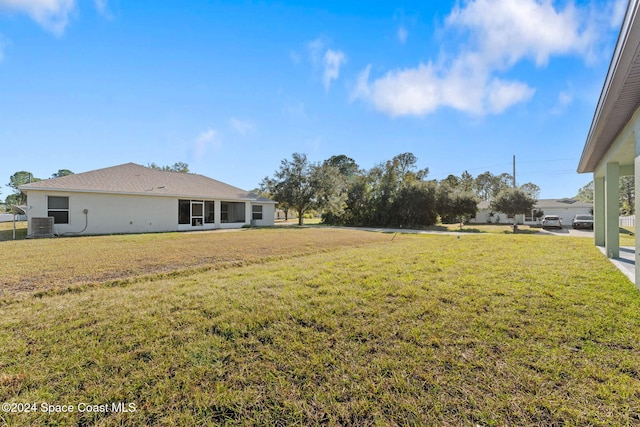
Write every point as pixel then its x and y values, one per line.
pixel 65 263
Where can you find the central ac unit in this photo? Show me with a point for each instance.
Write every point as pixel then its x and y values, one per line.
pixel 42 227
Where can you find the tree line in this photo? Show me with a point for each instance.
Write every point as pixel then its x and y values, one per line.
pixel 392 193
pixel 626 194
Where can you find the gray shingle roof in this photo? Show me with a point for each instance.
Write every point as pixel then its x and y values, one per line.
pixel 131 178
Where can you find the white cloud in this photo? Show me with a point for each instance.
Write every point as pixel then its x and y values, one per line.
pixel 564 100
pixel 500 95
pixel 618 10
pixel 403 34
pixel 498 34
pixel 206 139
pixel 52 15
pixel 509 30
pixel 422 90
pixel 329 60
pixel 333 60
pixel 241 126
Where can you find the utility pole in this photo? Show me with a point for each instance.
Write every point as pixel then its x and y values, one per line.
pixel 514 171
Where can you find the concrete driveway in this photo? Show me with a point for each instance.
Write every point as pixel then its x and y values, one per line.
pixel 568 231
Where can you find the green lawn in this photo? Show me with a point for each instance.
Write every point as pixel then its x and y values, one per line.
pixel 482 329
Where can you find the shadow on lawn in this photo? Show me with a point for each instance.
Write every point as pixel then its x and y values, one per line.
pixel 6 231
pixel 626 231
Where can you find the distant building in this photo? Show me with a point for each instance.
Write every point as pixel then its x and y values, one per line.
pixel 566 209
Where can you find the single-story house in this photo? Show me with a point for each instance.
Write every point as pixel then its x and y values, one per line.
pixel 130 198
pixel 566 209
pixel 612 148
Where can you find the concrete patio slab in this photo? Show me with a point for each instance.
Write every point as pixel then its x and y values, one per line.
pixel 626 262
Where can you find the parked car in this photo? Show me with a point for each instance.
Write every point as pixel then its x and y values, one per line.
pixel 551 221
pixel 582 221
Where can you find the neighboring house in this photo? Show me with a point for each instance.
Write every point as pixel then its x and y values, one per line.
pixel 566 209
pixel 612 148
pixel 131 198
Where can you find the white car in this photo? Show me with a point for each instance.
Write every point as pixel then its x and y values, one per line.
pixel 551 221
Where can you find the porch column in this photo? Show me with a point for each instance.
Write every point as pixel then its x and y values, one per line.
pixel 598 210
pixel 248 213
pixel 612 209
pixel 636 175
pixel 216 213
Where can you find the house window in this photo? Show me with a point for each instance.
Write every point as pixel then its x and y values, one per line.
pixel 256 212
pixel 184 211
pixel 58 208
pixel 208 212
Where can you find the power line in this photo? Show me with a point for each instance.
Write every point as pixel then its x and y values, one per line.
pixel 436 175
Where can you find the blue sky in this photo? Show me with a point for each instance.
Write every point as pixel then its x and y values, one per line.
pixel 233 87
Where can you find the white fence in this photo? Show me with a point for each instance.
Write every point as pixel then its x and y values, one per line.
pixel 9 217
pixel 628 221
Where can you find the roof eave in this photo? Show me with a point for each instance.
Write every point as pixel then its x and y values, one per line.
pixel 621 61
pixel 147 194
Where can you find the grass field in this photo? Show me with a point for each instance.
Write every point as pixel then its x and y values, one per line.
pixel 66 264
pixel 320 327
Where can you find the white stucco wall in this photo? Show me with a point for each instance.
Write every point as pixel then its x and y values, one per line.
pixel 268 214
pixel 108 213
pixel 116 213
pixel 482 217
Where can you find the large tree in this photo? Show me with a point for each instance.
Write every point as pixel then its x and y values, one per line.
pixel 302 186
pixel 585 193
pixel 455 205
pixel 466 182
pixel 176 167
pixel 626 192
pixel 483 185
pixel 414 205
pixel 488 185
pixel 345 165
pixel 513 201
pixel 16 180
pixel 627 195
pixel 531 189
pixel 61 173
